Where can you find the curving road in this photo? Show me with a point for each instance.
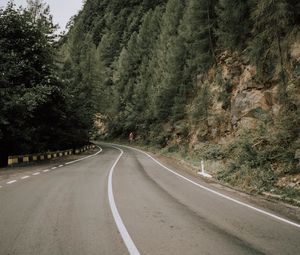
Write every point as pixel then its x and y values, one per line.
pixel 122 201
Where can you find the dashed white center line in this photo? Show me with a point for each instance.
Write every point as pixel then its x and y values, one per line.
pixel 47 170
pixel 11 182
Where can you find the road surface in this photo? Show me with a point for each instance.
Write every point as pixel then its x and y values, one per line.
pixel 122 201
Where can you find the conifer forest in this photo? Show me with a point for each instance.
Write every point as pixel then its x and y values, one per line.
pixel 211 79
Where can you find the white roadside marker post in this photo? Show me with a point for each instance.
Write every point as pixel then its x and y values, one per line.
pixel 202 167
pixel 203 171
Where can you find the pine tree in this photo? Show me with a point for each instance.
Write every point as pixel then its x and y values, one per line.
pixel 207 38
pixel 29 85
pixel 146 42
pixel 233 24
pixel 267 47
pixel 196 33
pixel 169 59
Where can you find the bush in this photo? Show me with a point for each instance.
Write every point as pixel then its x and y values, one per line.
pixel 214 152
pixel 225 95
pixel 257 158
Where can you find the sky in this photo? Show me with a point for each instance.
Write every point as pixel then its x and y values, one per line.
pixel 61 10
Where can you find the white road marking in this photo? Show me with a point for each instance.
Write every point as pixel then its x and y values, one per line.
pixel 216 192
pixel 119 222
pixel 11 182
pixel 47 170
pixel 71 162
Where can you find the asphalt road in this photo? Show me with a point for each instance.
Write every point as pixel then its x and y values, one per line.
pixel 123 202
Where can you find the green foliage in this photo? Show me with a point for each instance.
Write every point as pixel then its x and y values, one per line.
pixel 169 100
pixel 268 48
pixel 202 103
pixel 37 108
pixel 248 166
pixel 207 19
pixel 151 65
pixel 233 24
pixel 213 152
pixel 28 80
pixel 148 66
pixel 257 159
pixel 225 94
pixel 168 62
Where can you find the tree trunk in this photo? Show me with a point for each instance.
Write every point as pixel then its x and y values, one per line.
pixel 210 36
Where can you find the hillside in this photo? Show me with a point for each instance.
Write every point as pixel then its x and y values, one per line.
pixel 212 79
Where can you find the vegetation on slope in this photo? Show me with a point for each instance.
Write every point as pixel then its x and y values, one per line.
pixel 152 66
pixel 179 74
pixel 39 111
pixel 143 57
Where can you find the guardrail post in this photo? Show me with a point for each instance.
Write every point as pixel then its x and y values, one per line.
pixel 25 159
pixel 13 160
pixel 10 161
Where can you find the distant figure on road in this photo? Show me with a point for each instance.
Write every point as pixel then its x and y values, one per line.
pixel 131 137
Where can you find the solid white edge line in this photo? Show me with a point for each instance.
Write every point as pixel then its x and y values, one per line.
pixel 71 162
pixel 37 173
pixel 25 177
pixel 11 182
pixel 118 220
pixel 216 192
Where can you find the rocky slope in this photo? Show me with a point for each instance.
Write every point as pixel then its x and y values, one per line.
pixel 241 103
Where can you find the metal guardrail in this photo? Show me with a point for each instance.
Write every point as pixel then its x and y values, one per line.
pixel 20 159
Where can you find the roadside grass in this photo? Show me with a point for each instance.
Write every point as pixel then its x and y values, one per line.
pixel 239 165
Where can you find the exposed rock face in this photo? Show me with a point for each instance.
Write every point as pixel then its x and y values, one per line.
pixel 289 182
pixel 231 66
pixel 100 124
pixel 248 97
pixel 247 103
pixel 234 83
pixel 295 50
pixel 239 101
pixel 247 81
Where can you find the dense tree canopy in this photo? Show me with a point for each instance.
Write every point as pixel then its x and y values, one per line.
pixel 37 108
pixel 136 62
pixel 149 53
